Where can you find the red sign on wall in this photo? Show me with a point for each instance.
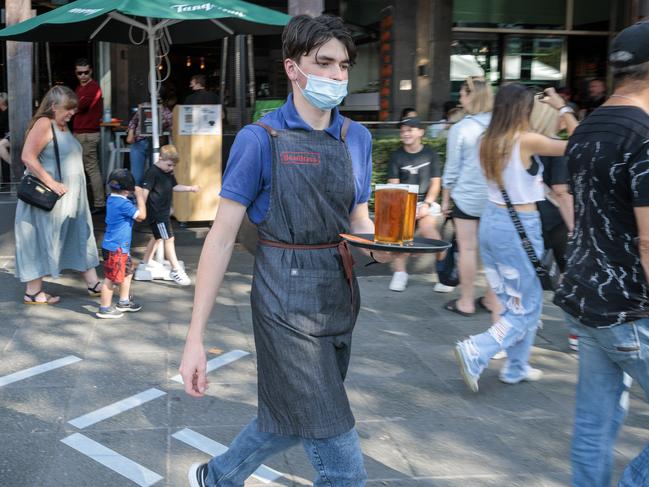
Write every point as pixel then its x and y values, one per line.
pixel 385 92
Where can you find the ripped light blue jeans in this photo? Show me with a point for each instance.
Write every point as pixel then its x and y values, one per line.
pixel 512 277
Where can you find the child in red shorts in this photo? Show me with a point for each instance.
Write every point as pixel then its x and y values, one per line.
pixel 121 213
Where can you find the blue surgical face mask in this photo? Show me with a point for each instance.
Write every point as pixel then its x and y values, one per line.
pixel 323 93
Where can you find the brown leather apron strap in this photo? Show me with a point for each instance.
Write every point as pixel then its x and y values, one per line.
pixel 343 249
pixel 344 129
pixel 271 131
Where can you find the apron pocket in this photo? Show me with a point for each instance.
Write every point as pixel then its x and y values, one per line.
pixel 319 302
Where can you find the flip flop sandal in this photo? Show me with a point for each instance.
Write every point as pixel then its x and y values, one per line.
pixel 93 290
pixel 49 299
pixel 452 306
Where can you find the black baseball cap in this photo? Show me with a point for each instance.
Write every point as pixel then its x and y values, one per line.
pixel 410 122
pixel 631 46
pixel 121 179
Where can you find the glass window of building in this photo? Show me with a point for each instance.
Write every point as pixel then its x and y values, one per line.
pixel 548 14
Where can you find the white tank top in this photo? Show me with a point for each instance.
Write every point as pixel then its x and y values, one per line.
pixel 523 186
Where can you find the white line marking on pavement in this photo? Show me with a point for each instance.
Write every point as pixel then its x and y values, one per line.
pixel 214 448
pixel 113 460
pixel 397 333
pixel 218 362
pixel 116 408
pixel 38 369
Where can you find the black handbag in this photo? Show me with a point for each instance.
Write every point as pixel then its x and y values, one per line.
pixel 447 271
pixel 34 192
pixel 546 269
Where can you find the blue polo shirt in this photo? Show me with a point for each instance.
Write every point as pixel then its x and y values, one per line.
pixel 247 177
pixel 120 216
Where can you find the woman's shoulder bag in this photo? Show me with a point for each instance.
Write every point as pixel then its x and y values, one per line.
pixel 34 192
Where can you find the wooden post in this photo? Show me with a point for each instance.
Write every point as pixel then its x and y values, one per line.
pixel 19 85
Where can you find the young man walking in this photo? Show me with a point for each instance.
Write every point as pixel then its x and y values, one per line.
pixel 85 126
pixel 606 285
pixel 303 176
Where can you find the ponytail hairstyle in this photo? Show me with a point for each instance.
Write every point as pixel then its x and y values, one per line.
pixel 511 116
pixel 58 95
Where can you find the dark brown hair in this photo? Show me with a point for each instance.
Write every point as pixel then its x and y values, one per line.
pixel 304 33
pixel 511 116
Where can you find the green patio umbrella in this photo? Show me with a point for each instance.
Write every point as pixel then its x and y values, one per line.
pixel 130 21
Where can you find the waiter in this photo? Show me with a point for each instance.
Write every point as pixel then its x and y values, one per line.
pixel 302 174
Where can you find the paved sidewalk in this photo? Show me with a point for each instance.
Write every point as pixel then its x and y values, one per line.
pixel 418 423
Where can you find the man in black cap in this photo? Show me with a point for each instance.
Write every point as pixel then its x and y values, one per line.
pixel 414 163
pixel 605 289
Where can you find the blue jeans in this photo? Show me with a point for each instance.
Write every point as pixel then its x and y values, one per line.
pixel 513 279
pixel 338 461
pixel 606 355
pixel 139 157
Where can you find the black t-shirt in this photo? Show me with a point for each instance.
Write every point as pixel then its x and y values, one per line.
pixel 608 160
pixel 160 185
pixel 555 171
pixel 202 97
pixel 416 168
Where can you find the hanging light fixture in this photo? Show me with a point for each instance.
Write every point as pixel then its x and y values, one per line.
pixel 202 63
pixel 189 62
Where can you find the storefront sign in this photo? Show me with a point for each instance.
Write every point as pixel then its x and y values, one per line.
pixel 200 120
pixel 386 67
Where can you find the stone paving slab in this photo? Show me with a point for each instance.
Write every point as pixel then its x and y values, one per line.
pixel 419 425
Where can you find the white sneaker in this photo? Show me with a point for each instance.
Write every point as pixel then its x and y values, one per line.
pixel 532 376
pixel 443 288
pixel 180 277
pixel 399 281
pixel 500 355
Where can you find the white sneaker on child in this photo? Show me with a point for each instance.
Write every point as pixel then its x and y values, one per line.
pixel 399 281
pixel 180 277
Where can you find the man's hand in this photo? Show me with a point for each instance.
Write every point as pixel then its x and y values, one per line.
pixel 195 189
pixel 193 368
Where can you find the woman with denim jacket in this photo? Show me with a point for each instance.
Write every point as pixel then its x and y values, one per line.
pixel 464 183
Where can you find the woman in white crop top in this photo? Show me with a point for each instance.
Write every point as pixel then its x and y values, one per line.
pixel 506 152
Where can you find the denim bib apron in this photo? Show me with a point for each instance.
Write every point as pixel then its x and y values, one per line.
pixel 304 294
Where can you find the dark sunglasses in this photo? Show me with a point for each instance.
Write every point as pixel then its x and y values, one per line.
pixel 81 73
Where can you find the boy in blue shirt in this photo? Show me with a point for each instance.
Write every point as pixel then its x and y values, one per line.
pixel 121 213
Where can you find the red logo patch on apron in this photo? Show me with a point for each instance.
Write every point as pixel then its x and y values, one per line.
pixel 300 157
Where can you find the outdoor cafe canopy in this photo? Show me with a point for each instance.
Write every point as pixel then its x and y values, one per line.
pixel 134 21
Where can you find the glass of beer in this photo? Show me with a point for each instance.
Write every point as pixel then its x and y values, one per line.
pixel 389 209
pixel 410 214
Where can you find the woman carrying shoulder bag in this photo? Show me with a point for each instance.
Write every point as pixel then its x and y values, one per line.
pixel 48 242
pixel 512 174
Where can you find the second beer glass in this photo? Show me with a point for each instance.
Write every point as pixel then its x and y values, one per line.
pixel 410 214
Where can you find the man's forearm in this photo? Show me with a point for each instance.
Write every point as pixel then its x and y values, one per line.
pixel 643 245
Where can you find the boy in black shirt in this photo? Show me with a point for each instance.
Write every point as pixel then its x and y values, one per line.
pixel 158 185
pixel 414 163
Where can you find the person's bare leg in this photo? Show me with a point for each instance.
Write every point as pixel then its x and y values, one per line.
pixel 150 249
pixel 399 264
pixel 91 277
pixel 4 151
pixel 466 232
pixel 170 253
pixel 125 289
pixel 106 294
